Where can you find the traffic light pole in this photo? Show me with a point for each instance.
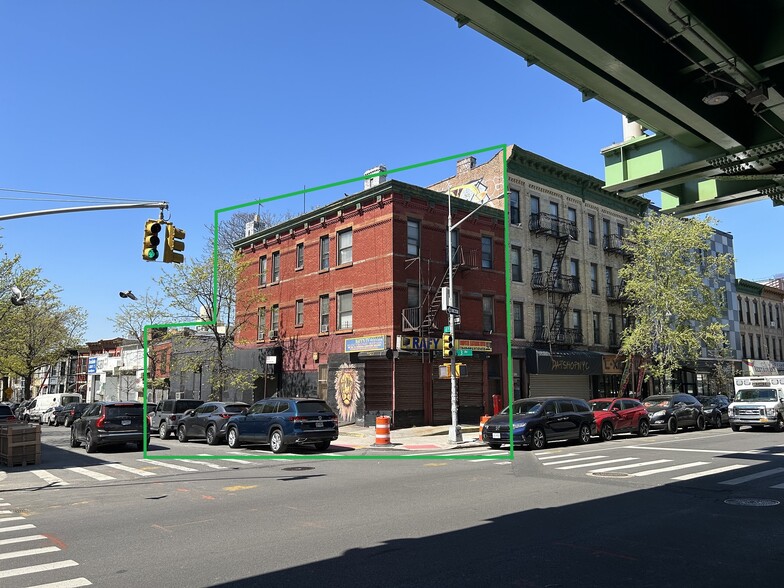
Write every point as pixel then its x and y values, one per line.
pixel 454 435
pixel 161 205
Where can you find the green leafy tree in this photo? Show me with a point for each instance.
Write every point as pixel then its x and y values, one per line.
pixel 675 303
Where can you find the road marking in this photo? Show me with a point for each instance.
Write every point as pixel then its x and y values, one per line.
pixel 549 463
pixel 172 466
pixel 632 465
pixel 589 465
pixel 22 539
pixel 25 552
pixel 6 512
pixel 49 478
pixel 39 568
pixel 125 468
pixel 4 519
pixel 722 451
pixel 75 583
pixel 204 463
pixel 728 468
pixel 743 479
pixel 554 455
pixel 226 458
pixel 680 466
pixel 91 474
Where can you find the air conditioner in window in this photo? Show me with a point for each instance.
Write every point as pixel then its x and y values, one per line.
pixel 273 334
pixel 325 328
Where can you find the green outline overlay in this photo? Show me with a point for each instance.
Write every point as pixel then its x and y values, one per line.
pixel 277 457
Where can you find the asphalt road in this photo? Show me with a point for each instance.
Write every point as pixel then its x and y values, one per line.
pixel 545 519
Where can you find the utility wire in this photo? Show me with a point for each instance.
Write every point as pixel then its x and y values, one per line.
pixel 84 197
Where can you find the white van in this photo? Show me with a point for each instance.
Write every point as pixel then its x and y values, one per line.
pixel 44 402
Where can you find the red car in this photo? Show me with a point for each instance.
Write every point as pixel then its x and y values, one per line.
pixel 619 415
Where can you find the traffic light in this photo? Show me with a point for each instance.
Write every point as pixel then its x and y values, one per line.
pixel 151 240
pixel 174 244
pixel 446 345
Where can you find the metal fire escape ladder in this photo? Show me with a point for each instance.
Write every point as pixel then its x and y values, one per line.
pixel 435 302
pixel 559 296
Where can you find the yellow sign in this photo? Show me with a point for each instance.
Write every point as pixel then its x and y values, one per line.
pixel 8 393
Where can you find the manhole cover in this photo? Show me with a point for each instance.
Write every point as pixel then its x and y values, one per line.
pixel 298 469
pixel 751 502
pixel 609 474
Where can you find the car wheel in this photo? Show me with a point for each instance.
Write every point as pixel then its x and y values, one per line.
pixel 163 431
pixel 90 443
pixel 700 426
pixel 606 434
pixel 276 441
pixel 538 439
pixel 233 438
pixel 181 436
pixel 211 435
pixel 643 428
pixel 494 445
pixel 74 440
pixel 735 428
pixel 322 445
pixel 584 434
pixel 672 425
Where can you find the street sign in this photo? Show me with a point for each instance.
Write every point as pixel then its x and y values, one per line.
pixel 465 352
pixel 452 310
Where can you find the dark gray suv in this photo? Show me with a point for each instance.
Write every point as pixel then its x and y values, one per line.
pixel 168 413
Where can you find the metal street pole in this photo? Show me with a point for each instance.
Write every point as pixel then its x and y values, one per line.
pixel 454 435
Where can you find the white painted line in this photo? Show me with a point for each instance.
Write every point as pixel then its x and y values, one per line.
pixel 39 568
pixel 778 486
pixel 750 477
pixel 205 463
pixel 631 465
pixel 16 528
pixel 49 478
pixel 172 466
pixel 596 463
pixel 482 459
pixel 549 463
pixel 6 512
pixel 91 474
pixel 4 504
pixel 680 466
pixel 552 455
pixel 22 539
pixel 129 469
pixel 226 458
pixel 4 519
pixel 25 552
pixel 720 451
pixel 75 583
pixel 728 468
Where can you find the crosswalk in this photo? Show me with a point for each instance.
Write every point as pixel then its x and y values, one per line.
pixel 27 556
pixel 669 468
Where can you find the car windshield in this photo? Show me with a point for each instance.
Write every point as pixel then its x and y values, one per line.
pixel 600 404
pixel 657 401
pixel 114 412
pixel 234 408
pixel 756 394
pixel 183 405
pixel 524 407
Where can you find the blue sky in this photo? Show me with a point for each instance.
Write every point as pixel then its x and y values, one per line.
pixel 208 104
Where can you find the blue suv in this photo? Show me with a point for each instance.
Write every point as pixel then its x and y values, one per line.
pixel 280 422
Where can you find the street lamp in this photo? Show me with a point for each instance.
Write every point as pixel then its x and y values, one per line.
pixel 454 434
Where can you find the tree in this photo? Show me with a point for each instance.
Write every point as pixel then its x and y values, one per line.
pixel 675 304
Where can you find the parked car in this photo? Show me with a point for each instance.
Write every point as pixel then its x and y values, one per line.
pixel 716 410
pixel 280 422
pixel 674 411
pixel 619 415
pixel 70 412
pixel 49 417
pixel 539 420
pixel 43 402
pixel 22 410
pixel 6 415
pixel 13 405
pixel 109 423
pixel 167 414
pixel 208 421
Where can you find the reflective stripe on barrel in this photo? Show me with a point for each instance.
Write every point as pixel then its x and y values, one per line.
pixel 382 430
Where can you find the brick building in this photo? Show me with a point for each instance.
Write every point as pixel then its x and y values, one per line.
pixel 352 303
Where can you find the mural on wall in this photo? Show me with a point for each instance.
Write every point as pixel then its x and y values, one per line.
pixel 347 390
pixel 475 191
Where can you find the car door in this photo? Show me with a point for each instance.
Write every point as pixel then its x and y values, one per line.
pixel 249 425
pixel 572 419
pixel 201 417
pixel 554 422
pixel 81 424
pixel 625 415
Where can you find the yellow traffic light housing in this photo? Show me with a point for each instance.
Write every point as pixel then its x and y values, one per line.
pixel 446 345
pixel 174 244
pixel 151 240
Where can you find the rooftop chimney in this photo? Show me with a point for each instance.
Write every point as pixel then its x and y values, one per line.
pixel 371 182
pixel 466 164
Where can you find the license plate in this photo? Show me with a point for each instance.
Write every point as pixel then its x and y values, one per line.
pixel 496 435
pixel 126 423
pixel 319 425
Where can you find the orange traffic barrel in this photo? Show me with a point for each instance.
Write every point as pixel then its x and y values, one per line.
pixel 482 421
pixel 382 430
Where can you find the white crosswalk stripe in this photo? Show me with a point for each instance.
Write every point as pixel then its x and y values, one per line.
pixel 129 469
pixel 681 466
pixel 596 463
pixel 37 568
pixel 16 528
pixel 49 478
pixel 728 468
pixel 572 460
pixel 173 466
pixel 22 539
pixel 750 477
pixel 204 463
pixel 92 474
pixel 231 459
pixel 630 466
pixel 75 583
pixel 543 457
pixel 29 552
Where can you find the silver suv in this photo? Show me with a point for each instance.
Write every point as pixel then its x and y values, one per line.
pixel 167 414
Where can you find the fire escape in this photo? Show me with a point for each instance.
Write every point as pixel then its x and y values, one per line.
pixel 559 287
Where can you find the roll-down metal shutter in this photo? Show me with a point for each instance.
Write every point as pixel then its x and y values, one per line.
pixel 557 385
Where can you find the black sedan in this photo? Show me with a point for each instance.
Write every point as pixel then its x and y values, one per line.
pixel 109 423
pixel 208 421
pixel 672 412
pixel 70 412
pixel 716 410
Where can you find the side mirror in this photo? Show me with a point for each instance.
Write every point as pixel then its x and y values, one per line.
pixel 549 413
pixel 244 411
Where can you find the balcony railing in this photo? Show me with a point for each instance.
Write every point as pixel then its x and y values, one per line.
pixel 613 244
pixel 412 318
pixel 543 223
pixel 568 336
pixel 541 333
pixel 615 293
pixel 563 284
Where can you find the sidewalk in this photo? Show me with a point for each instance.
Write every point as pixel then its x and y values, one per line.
pixel 414 438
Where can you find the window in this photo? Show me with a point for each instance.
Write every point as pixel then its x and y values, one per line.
pixel 412 297
pixel 537 260
pixel 262 327
pixel 751 347
pixel 620 229
pixel 608 280
pixel 488 320
pixel 274 318
pixel 534 205
pixel 299 313
pixel 613 330
pixel 597 329
pixel 778 319
pixel 605 228
pixel 345 314
pixel 571 214
pixel 574 267
pixel 577 320
pixel 514 207
pixel 487 252
pixel 517 313
pixel 263 270
pixel 539 315
pixel 454 240
pixel 554 209
pixel 345 239
pixel 594 278
pixel 300 256
pixel 591 229
pixel 413 232
pixel 324 313
pixel 740 307
pixel 324 252
pixel 554 218
pixel 756 314
pixel 759 346
pixel 517 270
pixel 276 267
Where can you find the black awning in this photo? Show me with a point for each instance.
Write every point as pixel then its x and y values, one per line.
pixel 576 363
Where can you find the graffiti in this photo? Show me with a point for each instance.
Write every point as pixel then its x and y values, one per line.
pixel 347 391
pixel 474 191
pixel 570 366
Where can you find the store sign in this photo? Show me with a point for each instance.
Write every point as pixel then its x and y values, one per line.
pixel 475 345
pixel 759 367
pixel 612 364
pixel 364 344
pixel 418 343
